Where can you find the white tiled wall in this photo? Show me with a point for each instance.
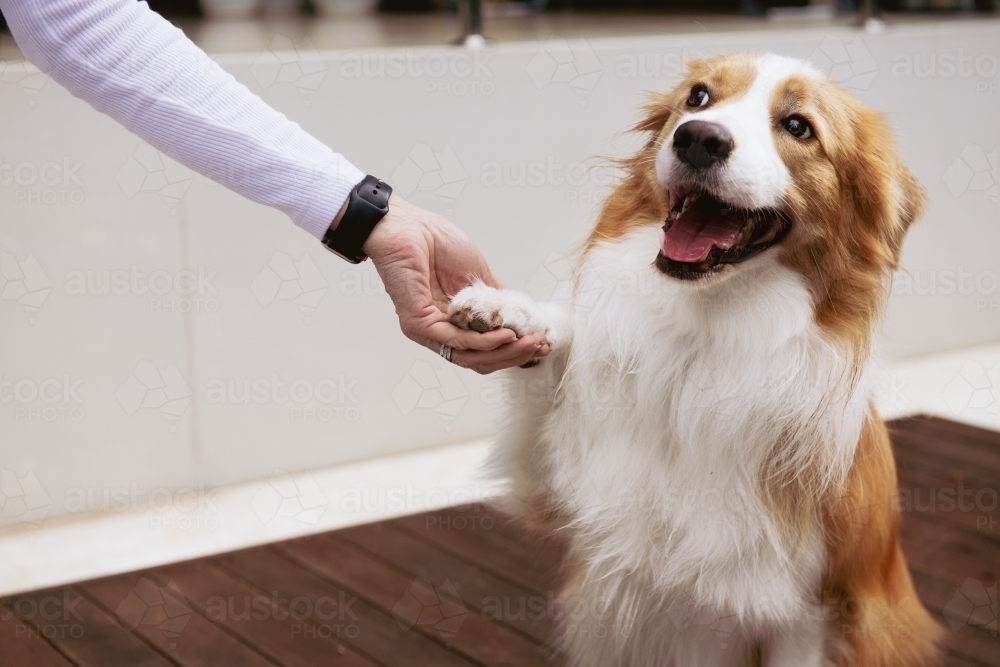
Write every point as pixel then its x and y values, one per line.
pixel 155 378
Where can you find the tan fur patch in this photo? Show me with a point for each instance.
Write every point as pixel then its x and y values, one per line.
pixel 851 202
pixel 868 588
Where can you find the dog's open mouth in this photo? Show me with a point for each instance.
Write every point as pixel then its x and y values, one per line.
pixel 704 233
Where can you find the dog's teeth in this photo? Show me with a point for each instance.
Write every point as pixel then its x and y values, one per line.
pixel 689 200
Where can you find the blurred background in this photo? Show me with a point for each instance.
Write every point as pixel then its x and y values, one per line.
pixel 184 372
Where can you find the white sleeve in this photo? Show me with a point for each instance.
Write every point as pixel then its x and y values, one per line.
pixel 130 63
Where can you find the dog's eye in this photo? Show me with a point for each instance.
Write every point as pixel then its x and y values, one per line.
pixel 798 126
pixel 699 97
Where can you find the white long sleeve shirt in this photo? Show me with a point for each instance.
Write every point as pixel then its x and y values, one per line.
pixel 130 63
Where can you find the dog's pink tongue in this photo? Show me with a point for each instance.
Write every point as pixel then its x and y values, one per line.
pixel 702 226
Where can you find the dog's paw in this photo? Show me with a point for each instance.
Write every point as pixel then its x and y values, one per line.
pixel 482 308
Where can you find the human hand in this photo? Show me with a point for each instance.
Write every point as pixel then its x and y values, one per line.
pixel 424 260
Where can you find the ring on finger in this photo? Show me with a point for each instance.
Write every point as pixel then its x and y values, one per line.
pixel 445 352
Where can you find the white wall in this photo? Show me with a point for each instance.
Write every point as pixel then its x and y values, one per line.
pixel 110 204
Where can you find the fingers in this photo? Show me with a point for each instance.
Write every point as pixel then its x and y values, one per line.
pixel 461 339
pixel 512 354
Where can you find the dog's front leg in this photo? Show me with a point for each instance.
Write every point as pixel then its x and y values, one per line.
pixel 520 456
pixel 799 645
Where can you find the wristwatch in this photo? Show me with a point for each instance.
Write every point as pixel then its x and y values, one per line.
pixel 366 205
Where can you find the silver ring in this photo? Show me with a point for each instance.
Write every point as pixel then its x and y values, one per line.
pixel 446 352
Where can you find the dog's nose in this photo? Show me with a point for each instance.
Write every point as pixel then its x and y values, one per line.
pixel 702 144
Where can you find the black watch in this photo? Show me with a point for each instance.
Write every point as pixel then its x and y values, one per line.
pixel 366 205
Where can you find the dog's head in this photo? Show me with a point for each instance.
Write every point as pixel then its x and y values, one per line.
pixel 758 156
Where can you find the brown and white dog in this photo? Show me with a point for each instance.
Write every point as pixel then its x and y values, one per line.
pixel 703 432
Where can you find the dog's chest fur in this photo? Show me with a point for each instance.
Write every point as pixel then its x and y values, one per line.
pixel 680 422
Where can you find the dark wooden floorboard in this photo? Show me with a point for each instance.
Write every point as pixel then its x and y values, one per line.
pixel 380 636
pixel 463 586
pixel 258 620
pixel 516 561
pixel 479 588
pixel 86 634
pixel 190 641
pixel 476 638
pixel 951 538
pixel 23 644
pixel 948 502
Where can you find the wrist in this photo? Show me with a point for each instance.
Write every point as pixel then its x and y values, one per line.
pixel 400 215
pixel 340 214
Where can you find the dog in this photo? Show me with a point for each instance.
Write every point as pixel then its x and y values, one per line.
pixel 702 431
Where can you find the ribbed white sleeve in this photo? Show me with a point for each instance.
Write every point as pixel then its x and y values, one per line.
pixel 130 63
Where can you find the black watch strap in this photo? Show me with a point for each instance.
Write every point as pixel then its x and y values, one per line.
pixel 366 205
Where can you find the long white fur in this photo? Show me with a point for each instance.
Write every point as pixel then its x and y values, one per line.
pixel 665 404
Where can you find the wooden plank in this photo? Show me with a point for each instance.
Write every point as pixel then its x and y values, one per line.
pixel 479 516
pixel 952 659
pixel 162 617
pixel 22 644
pixel 936 469
pixel 946 552
pixel 952 431
pixel 403 596
pixel 480 588
pixel 300 641
pixel 970 642
pixel 972 461
pixel 525 563
pixel 380 637
pixel 956 503
pixel 85 633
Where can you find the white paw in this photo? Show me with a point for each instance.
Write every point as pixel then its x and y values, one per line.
pixel 482 308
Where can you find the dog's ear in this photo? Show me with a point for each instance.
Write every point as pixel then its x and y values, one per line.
pixel 910 201
pixel 656 112
pixel 880 197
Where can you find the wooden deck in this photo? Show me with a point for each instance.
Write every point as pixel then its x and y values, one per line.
pixel 463 587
